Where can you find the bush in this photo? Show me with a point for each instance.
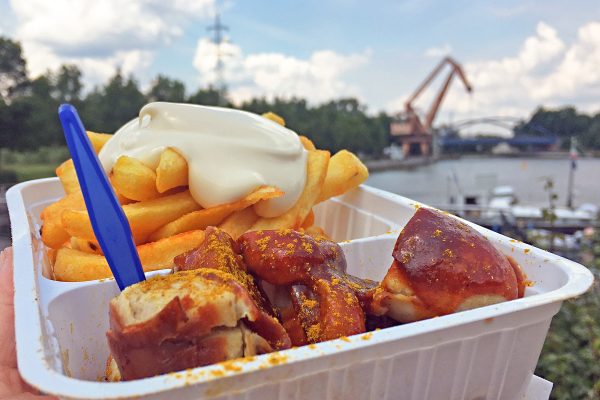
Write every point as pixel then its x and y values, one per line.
pixel 8 177
pixel 571 354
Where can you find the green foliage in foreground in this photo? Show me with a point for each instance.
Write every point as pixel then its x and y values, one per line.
pixel 571 354
pixel 26 172
pixel 18 166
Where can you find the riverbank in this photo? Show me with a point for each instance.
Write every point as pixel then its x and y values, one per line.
pixel 411 163
pixel 405 164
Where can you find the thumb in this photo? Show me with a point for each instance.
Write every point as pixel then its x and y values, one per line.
pixel 8 355
pixel 7 290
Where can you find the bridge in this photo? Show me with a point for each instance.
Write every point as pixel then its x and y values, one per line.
pixel 523 142
pixel 451 143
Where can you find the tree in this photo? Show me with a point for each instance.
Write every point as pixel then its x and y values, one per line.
pixel 36 116
pixel 564 123
pixel 590 139
pixel 344 124
pixel 336 125
pixel 13 70
pixel 167 89
pixel 210 97
pixel 67 84
pixel 108 108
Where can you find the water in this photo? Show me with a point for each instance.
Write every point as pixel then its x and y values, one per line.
pixel 476 176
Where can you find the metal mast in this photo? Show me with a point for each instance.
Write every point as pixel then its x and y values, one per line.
pixel 218 28
pixel 573 167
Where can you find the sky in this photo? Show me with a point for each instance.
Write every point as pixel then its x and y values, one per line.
pixel 518 55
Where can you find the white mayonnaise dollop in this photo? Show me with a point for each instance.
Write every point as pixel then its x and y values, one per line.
pixel 229 152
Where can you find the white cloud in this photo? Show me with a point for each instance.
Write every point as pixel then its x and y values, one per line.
pixel 579 70
pixel 100 35
pixel 545 71
pixel 436 52
pixel 317 78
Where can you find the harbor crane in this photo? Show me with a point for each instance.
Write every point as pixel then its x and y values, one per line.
pixel 407 128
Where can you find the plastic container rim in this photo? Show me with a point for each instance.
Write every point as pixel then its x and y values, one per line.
pixel 31 352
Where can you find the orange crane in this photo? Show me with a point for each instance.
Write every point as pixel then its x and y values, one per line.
pixel 408 127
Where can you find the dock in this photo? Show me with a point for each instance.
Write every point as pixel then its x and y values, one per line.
pixel 404 164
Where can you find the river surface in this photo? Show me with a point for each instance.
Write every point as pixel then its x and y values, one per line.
pixel 435 184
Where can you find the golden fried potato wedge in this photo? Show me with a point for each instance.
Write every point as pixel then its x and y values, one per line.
pixel 52 231
pixel 53 234
pixel 317 232
pixel 316 170
pixel 215 215
pixel 172 171
pixel 160 254
pixel 68 177
pixel 144 217
pixel 274 117
pixel 98 140
pixel 133 179
pixel 48 263
pixel 239 222
pixel 85 245
pixel 309 220
pixel 307 143
pixel 345 172
pixel 66 171
pixel 75 265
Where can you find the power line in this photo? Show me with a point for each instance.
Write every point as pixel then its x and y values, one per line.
pixel 218 28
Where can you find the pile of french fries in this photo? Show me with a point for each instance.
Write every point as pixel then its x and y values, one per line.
pixel 164 218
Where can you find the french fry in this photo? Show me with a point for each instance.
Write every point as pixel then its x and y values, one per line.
pixel 75 265
pixel 144 217
pixel 85 245
pixel 345 172
pixel 165 223
pixel 133 179
pixel 52 232
pixel 160 254
pixel 309 220
pixel 172 171
pixel 98 140
pixel 48 263
pixel 317 233
pixel 68 177
pixel 66 171
pixel 215 215
pixel 315 176
pixel 239 222
pixel 307 143
pixel 274 117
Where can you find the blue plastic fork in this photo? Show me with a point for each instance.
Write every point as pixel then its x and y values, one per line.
pixel 108 219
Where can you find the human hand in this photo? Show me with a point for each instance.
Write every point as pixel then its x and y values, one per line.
pixel 12 387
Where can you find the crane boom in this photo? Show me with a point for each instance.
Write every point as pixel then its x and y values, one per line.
pixel 427 81
pixel 407 127
pixel 456 69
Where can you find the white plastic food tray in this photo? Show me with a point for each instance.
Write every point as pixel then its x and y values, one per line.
pixel 487 353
